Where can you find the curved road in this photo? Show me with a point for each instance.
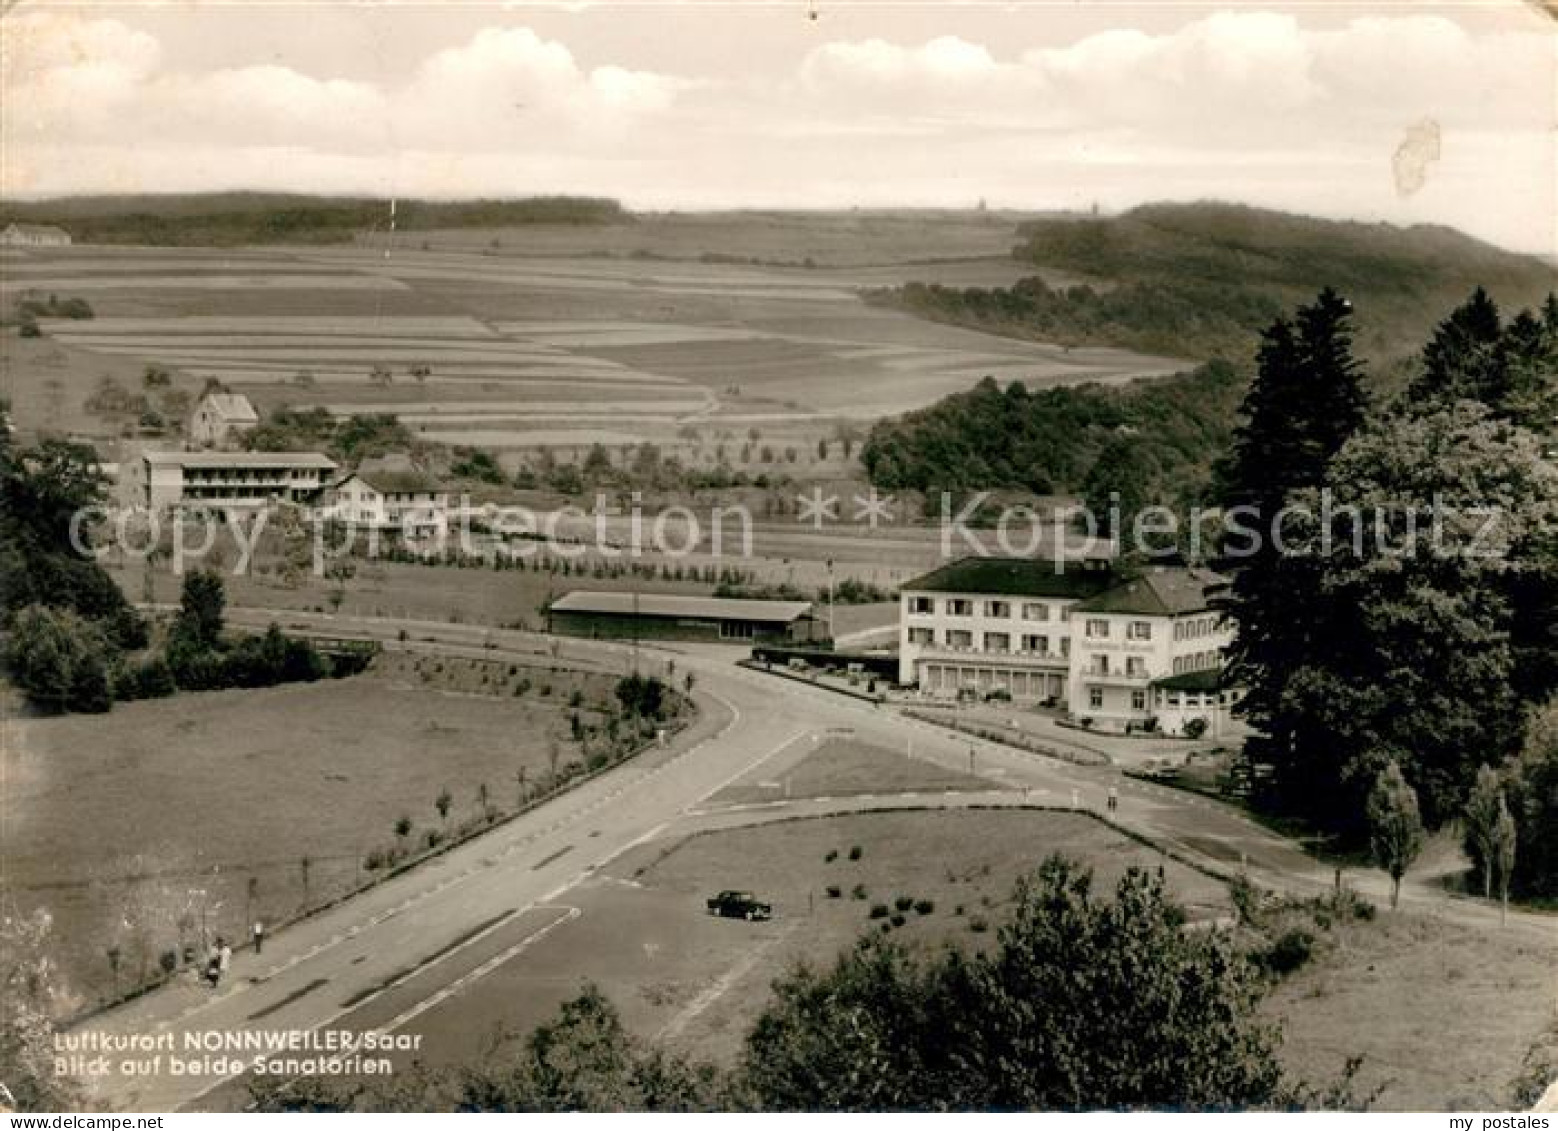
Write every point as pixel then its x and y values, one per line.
pixel 374 962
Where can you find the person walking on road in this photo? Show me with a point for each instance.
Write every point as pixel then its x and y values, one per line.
pixel 259 936
pixel 1114 798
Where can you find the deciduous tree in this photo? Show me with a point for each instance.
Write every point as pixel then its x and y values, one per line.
pixel 1395 826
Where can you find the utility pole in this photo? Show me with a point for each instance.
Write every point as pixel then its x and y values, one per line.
pixel 831 638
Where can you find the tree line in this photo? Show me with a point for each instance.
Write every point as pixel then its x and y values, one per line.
pixel 1407 633
pixel 1158 438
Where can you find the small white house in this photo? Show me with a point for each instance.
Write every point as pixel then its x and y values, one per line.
pixel 404 501
pixel 220 418
pixel 34 235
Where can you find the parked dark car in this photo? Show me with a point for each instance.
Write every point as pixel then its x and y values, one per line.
pixel 739 905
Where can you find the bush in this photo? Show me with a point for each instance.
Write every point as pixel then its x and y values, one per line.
pixel 831 856
pixel 858 891
pixel 897 920
pixel 60 660
pixel 879 911
pixel 856 852
pixel 903 902
pixel 978 924
pixel 1195 727
pixel 1291 950
pixel 924 906
pixel 833 891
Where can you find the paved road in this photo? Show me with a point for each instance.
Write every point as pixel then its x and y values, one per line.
pixel 377 961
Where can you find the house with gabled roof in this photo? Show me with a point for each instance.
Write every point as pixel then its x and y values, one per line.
pixel 400 498
pixel 219 419
pixel 34 235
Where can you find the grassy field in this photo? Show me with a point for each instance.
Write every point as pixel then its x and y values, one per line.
pixel 210 790
pixel 697 981
pixel 1441 1013
pixel 842 767
pixel 670 329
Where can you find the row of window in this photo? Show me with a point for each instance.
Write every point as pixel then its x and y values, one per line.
pixel 1095 699
pixel 1102 664
pixel 1032 644
pixel 1198 662
pixel 1195 629
pixel 1021 684
pixel 1098 629
pixel 994 610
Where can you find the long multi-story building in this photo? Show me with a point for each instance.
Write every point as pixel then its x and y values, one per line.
pixel 233 480
pixel 1116 651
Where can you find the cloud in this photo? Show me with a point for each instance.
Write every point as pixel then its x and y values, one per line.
pixel 98 81
pixel 1245 104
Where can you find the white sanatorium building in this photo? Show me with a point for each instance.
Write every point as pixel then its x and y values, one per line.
pixel 1125 653
pixel 234 480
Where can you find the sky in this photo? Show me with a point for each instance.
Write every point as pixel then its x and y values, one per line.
pixel 1398 111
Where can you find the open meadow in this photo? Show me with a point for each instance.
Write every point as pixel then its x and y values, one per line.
pixel 697 982
pixel 119 824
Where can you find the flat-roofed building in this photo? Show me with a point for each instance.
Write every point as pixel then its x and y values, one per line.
pixel 233 480
pixel 665 616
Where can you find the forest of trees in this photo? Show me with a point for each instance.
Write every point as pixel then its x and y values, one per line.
pixel 1172 316
pixel 1158 438
pixel 245 219
pixel 1201 280
pixel 1409 626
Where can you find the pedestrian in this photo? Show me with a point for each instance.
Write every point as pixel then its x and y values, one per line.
pixel 224 956
pixel 259 936
pixel 214 966
pixel 1114 798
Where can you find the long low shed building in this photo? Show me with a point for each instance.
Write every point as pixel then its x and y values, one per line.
pixel 664 616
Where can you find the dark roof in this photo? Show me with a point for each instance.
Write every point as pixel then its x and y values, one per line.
pixel 1208 679
pixel 410 482
pixel 1161 591
pixel 1015 577
pixel 668 605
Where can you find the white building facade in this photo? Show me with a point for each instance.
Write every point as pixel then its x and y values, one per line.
pixel 1116 653
pixel 233 481
pixel 399 501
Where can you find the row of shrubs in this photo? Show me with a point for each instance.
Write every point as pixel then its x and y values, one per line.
pixel 266 660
